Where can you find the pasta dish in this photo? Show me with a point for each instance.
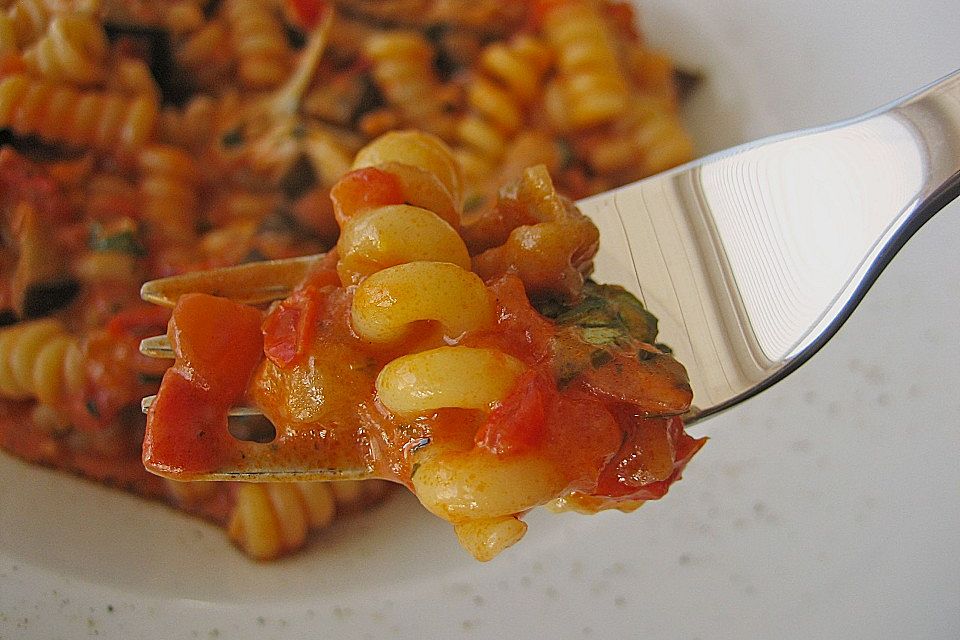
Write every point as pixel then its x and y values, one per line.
pixel 428 148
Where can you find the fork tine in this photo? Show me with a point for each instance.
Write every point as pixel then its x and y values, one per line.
pixel 157 347
pixel 236 412
pixel 252 283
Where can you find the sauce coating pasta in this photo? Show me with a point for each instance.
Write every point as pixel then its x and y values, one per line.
pixel 142 139
pixel 428 375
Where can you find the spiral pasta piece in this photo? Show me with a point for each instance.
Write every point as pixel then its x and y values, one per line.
pixel 403 69
pixel 498 96
pixel 428 174
pixel 590 81
pixel 550 255
pixel 59 113
pixel 258 39
pixel 206 54
pixel 395 234
pixel 486 538
pixel 39 359
pixel 411 167
pixel 270 519
pixel 390 303
pixel 168 191
pixel 28 19
pixel 463 377
pixel 73 49
pixel 477 485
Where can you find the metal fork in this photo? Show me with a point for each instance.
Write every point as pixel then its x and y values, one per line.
pixel 752 258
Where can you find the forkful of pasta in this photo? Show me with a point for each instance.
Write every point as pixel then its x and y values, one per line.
pixel 475 360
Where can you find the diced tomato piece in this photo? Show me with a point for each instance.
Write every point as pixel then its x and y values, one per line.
pixel 520 421
pixel 10 64
pixel 141 320
pixel 281 333
pixel 219 340
pixel 364 189
pixel 194 428
pixel 539 10
pixel 289 329
pixel 218 345
pixel 307 12
pixel 652 457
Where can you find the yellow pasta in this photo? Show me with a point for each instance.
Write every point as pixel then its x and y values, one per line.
pixel 390 303
pixel 507 82
pixel 395 234
pixel 257 37
pixel 270 519
pixel 411 154
pixel 74 49
pixel 403 69
pixel 486 538
pixel 39 359
pixel 462 377
pixel 465 486
pixel 590 80
pixel 169 201
pixel 206 54
pixel 59 113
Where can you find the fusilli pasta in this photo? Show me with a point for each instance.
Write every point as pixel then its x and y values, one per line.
pixel 147 139
pixel 39 359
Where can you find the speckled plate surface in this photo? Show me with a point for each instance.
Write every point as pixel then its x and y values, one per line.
pixel 829 507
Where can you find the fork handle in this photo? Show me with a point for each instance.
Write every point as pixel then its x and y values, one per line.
pixel 755 256
pixel 934 113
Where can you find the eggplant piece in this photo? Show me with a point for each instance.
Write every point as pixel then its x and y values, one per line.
pixel 153 46
pixel 37 150
pixel 686 81
pixel 43 298
pixel 41 282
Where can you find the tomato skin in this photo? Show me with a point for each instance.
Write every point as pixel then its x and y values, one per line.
pixel 289 329
pixel 643 468
pixel 140 320
pixel 218 345
pixel 364 189
pixel 218 340
pixel 194 427
pixel 307 12
pixel 520 422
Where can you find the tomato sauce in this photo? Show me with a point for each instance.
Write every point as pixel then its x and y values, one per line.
pixel 315 380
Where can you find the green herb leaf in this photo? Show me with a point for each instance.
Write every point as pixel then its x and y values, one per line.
pixel 232 138
pixel 125 241
pixel 473 202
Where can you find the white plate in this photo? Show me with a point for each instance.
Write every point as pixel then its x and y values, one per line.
pixel 827 508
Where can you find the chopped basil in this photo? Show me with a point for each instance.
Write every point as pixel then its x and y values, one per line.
pixel 473 202
pixel 608 320
pixel 232 138
pixel 567 155
pixel 124 241
pixel 607 314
